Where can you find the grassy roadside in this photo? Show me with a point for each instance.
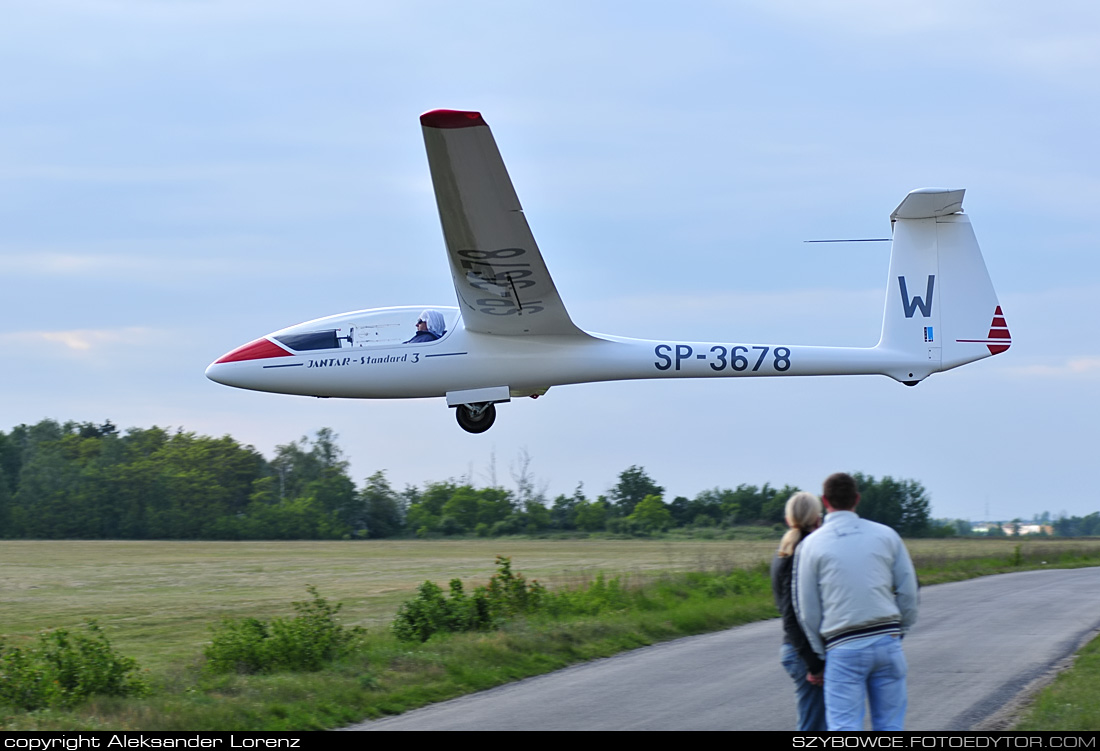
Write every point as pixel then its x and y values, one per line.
pixel 1071 702
pixel 388 676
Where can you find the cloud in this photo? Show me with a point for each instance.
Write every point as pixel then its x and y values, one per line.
pixel 76 341
pixel 168 261
pixel 1075 367
pixel 167 267
pixel 55 263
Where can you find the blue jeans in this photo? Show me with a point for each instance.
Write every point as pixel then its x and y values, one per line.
pixel 871 669
pixel 811 698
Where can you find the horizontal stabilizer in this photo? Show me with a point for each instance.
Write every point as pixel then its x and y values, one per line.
pixel 927 203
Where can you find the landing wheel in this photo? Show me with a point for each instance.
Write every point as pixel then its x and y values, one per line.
pixel 476 418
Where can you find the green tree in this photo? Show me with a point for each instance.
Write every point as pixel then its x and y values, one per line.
pixel 460 512
pixel 633 486
pixel 11 456
pixel 536 517
pixel 494 505
pixel 592 516
pixel 901 504
pixel 773 510
pixel 5 506
pixel 1077 526
pixel 916 511
pixel 530 500
pixel 48 481
pixel 425 514
pixel 962 527
pixel 385 514
pixel 651 514
pixel 316 468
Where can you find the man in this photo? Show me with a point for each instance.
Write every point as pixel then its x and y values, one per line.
pixel 429 327
pixel 855 593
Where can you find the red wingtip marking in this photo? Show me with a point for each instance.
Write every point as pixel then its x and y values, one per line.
pixel 257 350
pixel 451 119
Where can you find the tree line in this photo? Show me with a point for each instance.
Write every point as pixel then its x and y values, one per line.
pixel 87 481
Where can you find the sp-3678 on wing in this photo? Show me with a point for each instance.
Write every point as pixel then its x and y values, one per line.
pixel 511 336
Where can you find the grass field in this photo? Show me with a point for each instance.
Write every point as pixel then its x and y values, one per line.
pixel 158 600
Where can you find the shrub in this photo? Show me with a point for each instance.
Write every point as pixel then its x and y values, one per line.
pixel 65 668
pixel 305 642
pixel 430 612
pixel 509 593
pixel 596 597
pixel 506 595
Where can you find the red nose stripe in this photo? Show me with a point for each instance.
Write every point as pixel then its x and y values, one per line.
pixel 257 350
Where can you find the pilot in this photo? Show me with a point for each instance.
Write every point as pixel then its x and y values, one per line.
pixel 429 327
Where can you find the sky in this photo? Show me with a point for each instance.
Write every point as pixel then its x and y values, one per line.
pixel 178 178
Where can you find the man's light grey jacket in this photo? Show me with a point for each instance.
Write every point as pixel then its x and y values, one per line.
pixel 853 578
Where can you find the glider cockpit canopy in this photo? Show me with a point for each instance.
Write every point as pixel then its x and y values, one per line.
pixel 363 328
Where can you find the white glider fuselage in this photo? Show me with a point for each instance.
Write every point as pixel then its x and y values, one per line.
pixel 463 360
pixel 511 335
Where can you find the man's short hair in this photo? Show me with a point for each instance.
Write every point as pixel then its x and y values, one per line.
pixel 841 491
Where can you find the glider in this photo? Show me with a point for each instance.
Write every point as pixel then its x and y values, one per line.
pixel 511 335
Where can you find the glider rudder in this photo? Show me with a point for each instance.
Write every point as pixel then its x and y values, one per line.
pixel 941 310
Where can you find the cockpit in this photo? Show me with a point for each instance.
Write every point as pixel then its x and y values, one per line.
pixel 381 327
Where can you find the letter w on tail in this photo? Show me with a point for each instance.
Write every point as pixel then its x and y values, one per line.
pixel 911 305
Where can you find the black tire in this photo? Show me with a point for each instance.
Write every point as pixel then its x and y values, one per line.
pixel 475 423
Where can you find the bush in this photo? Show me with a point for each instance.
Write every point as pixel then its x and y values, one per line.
pixel 65 668
pixel 430 612
pixel 509 594
pixel 506 595
pixel 305 642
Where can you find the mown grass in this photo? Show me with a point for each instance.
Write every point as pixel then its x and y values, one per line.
pixel 389 676
pixel 159 601
pixel 943 561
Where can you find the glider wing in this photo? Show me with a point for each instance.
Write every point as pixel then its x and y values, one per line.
pixel 502 283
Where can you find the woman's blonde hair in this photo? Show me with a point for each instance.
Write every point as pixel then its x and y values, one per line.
pixel 803 512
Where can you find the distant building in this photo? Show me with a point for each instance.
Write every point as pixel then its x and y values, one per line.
pixel 1010 529
pixel 1030 529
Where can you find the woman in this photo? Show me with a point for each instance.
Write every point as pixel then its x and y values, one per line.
pixel 803 514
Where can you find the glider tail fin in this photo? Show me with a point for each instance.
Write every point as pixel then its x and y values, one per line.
pixel 941 309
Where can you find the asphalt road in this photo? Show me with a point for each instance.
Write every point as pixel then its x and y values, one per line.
pixel 977 646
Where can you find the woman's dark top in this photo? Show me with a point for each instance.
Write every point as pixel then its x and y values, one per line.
pixel 782 568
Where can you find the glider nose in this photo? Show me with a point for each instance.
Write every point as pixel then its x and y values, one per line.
pixel 216 372
pixel 231 368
